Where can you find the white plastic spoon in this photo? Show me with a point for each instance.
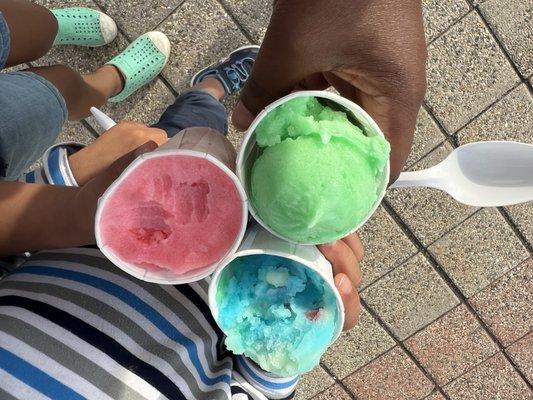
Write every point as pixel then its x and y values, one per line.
pixel 481 174
pixel 102 119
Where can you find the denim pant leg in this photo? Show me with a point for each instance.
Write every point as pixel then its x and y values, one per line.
pixel 194 108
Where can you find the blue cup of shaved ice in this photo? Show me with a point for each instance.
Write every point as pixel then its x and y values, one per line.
pixel 277 304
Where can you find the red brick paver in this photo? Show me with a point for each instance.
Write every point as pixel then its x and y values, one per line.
pixel 392 376
pixel 336 392
pixel 507 305
pixel 522 354
pixel 491 380
pixel 451 345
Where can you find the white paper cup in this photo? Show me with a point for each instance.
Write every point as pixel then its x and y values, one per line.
pixel 249 152
pixel 194 142
pixel 258 241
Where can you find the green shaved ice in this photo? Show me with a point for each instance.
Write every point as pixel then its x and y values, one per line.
pixel 317 177
pixel 304 116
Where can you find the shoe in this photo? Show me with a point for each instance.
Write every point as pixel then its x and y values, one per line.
pixel 141 62
pixel 84 27
pixel 232 71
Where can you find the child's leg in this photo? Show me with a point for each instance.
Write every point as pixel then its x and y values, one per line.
pixel 81 92
pixel 33 29
pixel 200 105
pixel 137 65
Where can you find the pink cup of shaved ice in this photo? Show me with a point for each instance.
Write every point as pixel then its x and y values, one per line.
pixel 175 214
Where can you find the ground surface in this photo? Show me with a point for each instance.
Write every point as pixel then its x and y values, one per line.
pixel 448 289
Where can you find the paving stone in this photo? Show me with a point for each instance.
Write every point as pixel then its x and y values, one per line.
pixel 451 345
pixel 522 354
pixel 50 4
pixel 358 346
pixel 466 72
pixel 83 59
pixel 507 305
pixel 479 251
pixel 386 246
pixel 15 68
pixel 410 297
pixel 510 21
pixel 430 213
pixel 144 106
pixel 313 383
pixel 435 396
pixel 253 15
pixel 136 17
pixel 75 132
pixel 511 118
pixel 201 33
pixel 439 15
pixel 427 137
pixel 522 214
pixel 235 136
pixel 392 376
pixel 335 392
pixel 493 379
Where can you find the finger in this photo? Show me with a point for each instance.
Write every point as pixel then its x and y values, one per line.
pixel 157 135
pixel 343 260
pixel 350 299
pixel 354 242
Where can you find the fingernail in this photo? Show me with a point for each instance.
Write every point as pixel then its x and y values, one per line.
pixel 344 286
pixel 329 245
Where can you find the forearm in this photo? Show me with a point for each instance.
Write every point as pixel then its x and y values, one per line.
pixel 38 217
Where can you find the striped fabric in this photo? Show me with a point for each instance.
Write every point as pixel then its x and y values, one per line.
pixel 73 326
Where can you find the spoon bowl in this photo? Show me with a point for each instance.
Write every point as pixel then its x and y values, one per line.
pixel 480 174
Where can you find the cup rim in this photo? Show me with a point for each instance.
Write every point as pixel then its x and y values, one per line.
pixel 215 279
pixel 135 270
pixel 250 134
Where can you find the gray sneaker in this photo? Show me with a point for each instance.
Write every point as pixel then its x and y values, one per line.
pixel 232 71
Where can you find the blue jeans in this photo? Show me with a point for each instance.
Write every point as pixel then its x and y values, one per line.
pixel 32 113
pixel 194 108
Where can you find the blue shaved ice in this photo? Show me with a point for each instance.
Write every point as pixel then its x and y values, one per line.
pixel 277 312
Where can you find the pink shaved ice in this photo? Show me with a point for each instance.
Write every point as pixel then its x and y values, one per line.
pixel 173 212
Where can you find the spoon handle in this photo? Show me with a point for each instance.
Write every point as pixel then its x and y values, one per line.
pixel 103 119
pixel 423 178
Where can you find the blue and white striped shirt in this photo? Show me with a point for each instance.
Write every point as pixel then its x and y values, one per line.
pixel 74 326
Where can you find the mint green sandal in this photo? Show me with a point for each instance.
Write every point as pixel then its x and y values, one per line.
pixel 84 27
pixel 141 62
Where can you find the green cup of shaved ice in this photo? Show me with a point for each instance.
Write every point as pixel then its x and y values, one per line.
pixel 315 167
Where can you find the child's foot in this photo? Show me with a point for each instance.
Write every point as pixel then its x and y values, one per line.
pixel 232 72
pixel 84 27
pixel 141 62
